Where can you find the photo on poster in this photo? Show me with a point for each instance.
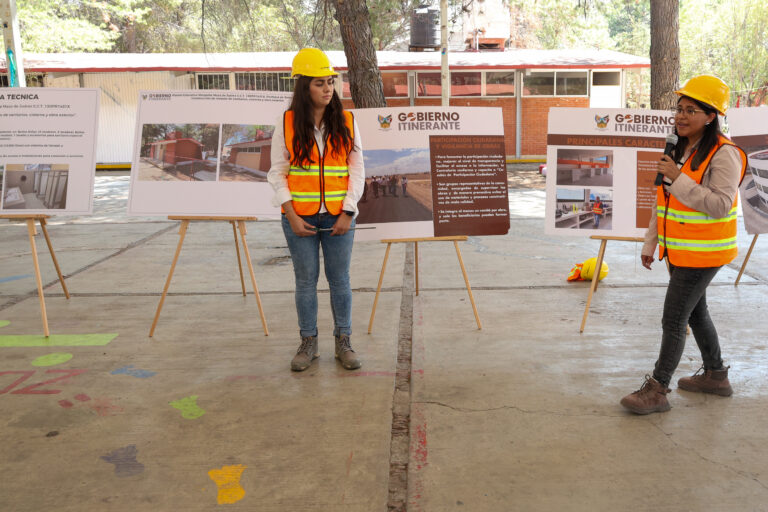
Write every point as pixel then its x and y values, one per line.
pixel 398 186
pixel 245 152
pixel 584 208
pixel 585 167
pixel 178 152
pixel 35 186
pixel 754 191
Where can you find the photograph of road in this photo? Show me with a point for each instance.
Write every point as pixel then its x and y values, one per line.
pixel 35 187
pixel 585 167
pixel 398 186
pixel 245 152
pixel 179 152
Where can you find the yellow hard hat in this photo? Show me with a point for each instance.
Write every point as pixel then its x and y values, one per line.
pixel 588 269
pixel 312 62
pixel 707 89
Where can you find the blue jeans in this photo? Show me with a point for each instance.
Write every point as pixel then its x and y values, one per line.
pixel 337 254
pixel 686 304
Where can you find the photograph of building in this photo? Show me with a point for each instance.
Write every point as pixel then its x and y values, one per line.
pixel 245 152
pixel 178 152
pixel 34 186
pixel 754 192
pixel 585 167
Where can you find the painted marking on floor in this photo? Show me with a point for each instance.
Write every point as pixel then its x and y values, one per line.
pixel 227 479
pixel 56 340
pixel 3 323
pixel 105 407
pixel 188 407
pixel 125 461
pixel 134 372
pixel 52 359
pixel 14 278
pixel 32 389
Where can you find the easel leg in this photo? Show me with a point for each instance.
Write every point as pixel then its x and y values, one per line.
pixel 378 288
pixel 469 288
pixel 31 231
pixel 241 225
pixel 416 260
pixel 53 256
pixel 744 265
pixel 593 287
pixel 182 234
pixel 239 262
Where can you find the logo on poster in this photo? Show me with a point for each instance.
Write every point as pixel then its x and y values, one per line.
pixel 385 121
pixel 645 123
pixel 602 122
pixel 436 120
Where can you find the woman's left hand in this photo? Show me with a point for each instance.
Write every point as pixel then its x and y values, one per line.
pixel 668 168
pixel 342 225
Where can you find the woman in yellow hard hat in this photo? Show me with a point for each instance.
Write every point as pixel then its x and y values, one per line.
pixel 694 225
pixel 318 176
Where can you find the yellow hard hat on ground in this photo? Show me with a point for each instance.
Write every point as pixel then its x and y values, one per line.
pixel 707 89
pixel 588 269
pixel 312 62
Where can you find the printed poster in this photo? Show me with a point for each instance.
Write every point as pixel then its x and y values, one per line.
pixel 604 160
pixel 47 150
pixel 432 171
pixel 748 128
pixel 204 153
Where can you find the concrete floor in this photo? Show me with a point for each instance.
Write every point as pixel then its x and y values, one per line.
pixel 522 415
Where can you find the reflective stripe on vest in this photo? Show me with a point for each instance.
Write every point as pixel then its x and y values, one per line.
pixel 691 238
pixel 320 180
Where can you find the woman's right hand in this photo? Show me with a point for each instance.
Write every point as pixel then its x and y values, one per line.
pixel 299 226
pixel 647 260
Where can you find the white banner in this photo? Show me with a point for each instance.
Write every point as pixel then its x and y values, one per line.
pixel 748 128
pixel 47 150
pixel 433 171
pixel 603 160
pixel 204 153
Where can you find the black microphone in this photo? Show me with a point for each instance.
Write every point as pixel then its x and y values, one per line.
pixel 671 143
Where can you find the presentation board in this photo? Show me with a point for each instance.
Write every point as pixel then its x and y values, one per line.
pixel 204 153
pixel 606 157
pixel 748 128
pixel 47 150
pixel 433 171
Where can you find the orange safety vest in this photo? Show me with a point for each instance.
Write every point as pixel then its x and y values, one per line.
pixel 690 238
pixel 323 179
pixel 597 208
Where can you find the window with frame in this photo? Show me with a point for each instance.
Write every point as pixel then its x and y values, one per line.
pixel 539 83
pixel 213 81
pixel 466 83
pixel 571 83
pixel 395 84
pixel 499 83
pixel 264 82
pixel 428 84
pixel 601 78
pixel 32 80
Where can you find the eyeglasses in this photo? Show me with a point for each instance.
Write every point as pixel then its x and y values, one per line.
pixel 689 111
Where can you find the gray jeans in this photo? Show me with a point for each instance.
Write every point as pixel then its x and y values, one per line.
pixel 686 304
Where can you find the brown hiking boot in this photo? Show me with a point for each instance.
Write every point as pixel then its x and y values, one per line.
pixel 651 397
pixel 306 353
pixel 345 354
pixel 711 381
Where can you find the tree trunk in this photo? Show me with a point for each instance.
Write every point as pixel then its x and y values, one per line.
pixel 364 76
pixel 665 53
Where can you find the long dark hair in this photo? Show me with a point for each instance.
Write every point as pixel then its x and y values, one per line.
pixel 708 140
pixel 337 133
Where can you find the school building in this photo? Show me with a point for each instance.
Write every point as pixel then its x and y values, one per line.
pixel 524 83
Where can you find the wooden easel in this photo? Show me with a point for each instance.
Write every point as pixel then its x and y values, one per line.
pixel 454 239
pixel 599 266
pixel 744 265
pixel 32 232
pixel 238 223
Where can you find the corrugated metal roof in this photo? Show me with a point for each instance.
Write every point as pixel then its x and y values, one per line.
pixel 280 61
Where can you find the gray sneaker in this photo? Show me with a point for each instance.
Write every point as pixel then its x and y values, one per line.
pixel 345 354
pixel 306 353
